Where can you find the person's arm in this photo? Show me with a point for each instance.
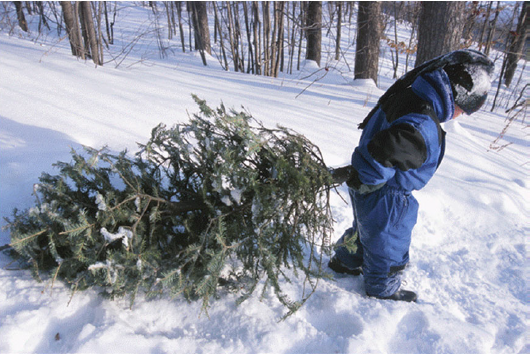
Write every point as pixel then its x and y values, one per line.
pixel 400 147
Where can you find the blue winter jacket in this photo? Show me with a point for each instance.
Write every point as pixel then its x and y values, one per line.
pixel 401 146
pixel 403 143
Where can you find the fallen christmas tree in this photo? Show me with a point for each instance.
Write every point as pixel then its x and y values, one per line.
pixel 218 201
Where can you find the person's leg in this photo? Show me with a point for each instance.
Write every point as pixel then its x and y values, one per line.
pixel 385 220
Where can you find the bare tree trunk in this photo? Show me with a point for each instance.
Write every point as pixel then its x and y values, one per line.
pixel 485 23
pixel 83 29
pixel 20 15
pixel 440 28
pixel 471 23
pixel 189 10
pixel 218 27
pixel 273 55
pixel 100 33
pixel 302 19
pixel 414 23
pixel 281 38
pixel 256 38
pixel 179 18
pixel 484 27
pixel 368 41
pixel 168 7
pixel 517 44
pixel 339 7
pixel 292 40
pixel 108 25
pixel 200 22
pixel 278 41
pixel 492 29
pixel 238 35
pixel 251 64
pixel 313 31
pixel 232 38
pixel 90 32
pixel 78 27
pixel 266 36
pixel 72 29
pixel 216 23
pixel 42 17
pixel 395 57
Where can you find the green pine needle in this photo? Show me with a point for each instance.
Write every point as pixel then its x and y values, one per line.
pixel 218 200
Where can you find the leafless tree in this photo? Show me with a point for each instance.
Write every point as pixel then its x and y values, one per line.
pixel 368 40
pixel 440 28
pixel 85 41
pixel 20 15
pixel 519 38
pixel 72 29
pixel 313 31
pixel 339 8
pixel 89 32
pixel 200 25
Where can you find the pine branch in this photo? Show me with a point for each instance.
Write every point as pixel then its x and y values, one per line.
pixel 221 188
pixel 27 238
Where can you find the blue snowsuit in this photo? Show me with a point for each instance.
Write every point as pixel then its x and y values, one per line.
pixel 399 151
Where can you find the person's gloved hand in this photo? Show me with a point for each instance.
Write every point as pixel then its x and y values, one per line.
pixel 342 174
pixel 349 175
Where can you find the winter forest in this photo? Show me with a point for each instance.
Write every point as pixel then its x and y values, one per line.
pixel 165 185
pixel 268 38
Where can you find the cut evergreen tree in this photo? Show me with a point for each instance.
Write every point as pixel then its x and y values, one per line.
pixel 220 200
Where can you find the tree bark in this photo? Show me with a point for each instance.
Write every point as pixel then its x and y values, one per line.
pixel 313 31
pixel 368 41
pixel 266 36
pixel 339 7
pixel 492 30
pixel 225 65
pixel 250 65
pixel 256 38
pixel 200 21
pixel 517 44
pixel 440 28
pixel 71 28
pixel 179 18
pixel 86 7
pixel 233 41
pixel 485 23
pixel 20 16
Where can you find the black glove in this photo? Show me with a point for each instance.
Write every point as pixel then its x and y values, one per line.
pixel 349 175
pixel 343 174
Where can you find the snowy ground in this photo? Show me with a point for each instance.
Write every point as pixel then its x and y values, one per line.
pixel 470 249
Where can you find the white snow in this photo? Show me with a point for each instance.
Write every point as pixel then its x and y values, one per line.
pixel 100 201
pixel 122 233
pixel 470 248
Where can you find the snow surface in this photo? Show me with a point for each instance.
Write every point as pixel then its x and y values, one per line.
pixel 470 248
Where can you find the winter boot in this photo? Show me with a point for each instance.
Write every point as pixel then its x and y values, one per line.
pixel 400 295
pixel 337 266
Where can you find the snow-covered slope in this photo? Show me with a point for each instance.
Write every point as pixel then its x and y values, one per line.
pixel 470 249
